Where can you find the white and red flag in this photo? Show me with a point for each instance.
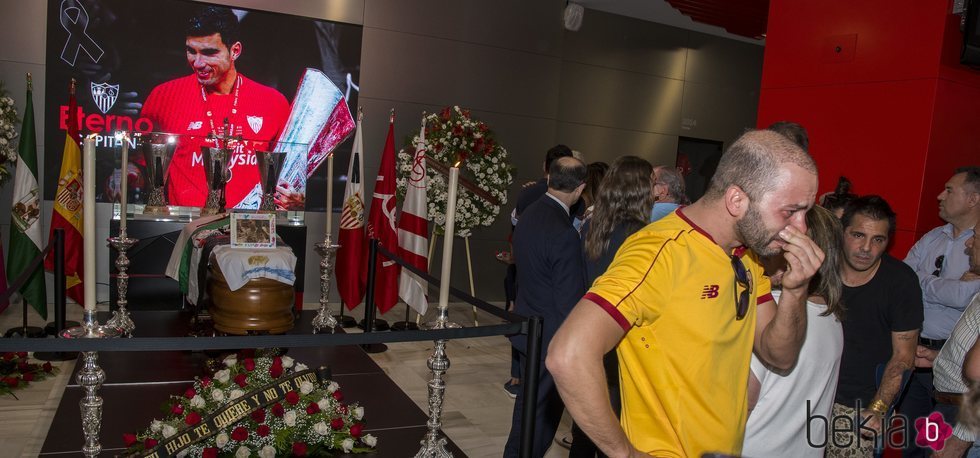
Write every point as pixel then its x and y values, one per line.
pixel 413 229
pixel 381 225
pixel 350 255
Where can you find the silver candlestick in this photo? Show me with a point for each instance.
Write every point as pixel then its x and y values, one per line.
pixel 120 317
pixel 328 255
pixel 90 377
pixel 433 445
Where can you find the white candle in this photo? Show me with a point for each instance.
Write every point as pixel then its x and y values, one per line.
pixel 124 183
pixel 329 207
pixel 88 221
pixel 447 244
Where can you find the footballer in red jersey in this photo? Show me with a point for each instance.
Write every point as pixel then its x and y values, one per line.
pixel 215 97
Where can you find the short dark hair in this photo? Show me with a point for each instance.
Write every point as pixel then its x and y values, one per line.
pixel 210 20
pixel 793 131
pixel 555 152
pixel 840 197
pixel 972 176
pixel 566 174
pixel 872 206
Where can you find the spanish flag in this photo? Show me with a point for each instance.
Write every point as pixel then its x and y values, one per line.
pixel 67 212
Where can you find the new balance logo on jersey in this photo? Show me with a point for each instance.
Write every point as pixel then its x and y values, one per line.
pixel 194 125
pixel 709 292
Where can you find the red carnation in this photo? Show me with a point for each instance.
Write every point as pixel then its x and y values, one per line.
pixel 206 382
pixel 241 380
pixel 177 409
pixel 292 397
pixel 28 376
pixel 263 430
pixel 356 429
pixel 239 434
pixel 190 393
pixel 249 364
pixel 129 439
pixel 338 395
pixel 192 418
pixel 278 410
pixel 312 408
pixel 47 367
pixel 299 449
pixel 337 423
pixel 210 452
pixel 149 443
pixel 258 416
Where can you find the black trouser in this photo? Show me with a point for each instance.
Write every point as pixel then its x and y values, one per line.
pixel 546 419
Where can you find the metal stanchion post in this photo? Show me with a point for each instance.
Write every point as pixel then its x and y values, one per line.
pixel 368 323
pixel 530 385
pixel 60 286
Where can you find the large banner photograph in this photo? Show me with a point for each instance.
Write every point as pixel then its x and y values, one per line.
pixel 193 84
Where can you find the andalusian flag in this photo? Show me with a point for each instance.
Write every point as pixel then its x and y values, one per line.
pixel 25 214
pixel 67 212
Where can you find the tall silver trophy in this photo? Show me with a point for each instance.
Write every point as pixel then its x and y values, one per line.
pixel 270 167
pixel 158 150
pixel 217 173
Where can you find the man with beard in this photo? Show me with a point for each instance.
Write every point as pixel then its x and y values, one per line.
pixel 215 100
pixel 686 301
pixel 881 327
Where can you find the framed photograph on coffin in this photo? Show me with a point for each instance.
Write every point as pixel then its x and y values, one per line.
pixel 253 230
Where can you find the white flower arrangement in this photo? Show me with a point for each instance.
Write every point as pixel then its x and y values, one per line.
pixel 452 136
pixel 8 133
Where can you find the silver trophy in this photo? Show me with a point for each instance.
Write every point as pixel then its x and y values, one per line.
pixel 270 166
pixel 217 173
pixel 157 154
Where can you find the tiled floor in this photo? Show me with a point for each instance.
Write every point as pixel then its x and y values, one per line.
pixel 476 413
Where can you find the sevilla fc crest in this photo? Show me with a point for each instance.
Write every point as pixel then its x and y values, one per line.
pixel 104 95
pixel 255 122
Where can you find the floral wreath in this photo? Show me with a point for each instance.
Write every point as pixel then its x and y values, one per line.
pixel 452 136
pixel 16 372
pixel 8 132
pixel 309 419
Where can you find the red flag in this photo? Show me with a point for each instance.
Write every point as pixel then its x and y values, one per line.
pixel 413 229
pixel 350 255
pixel 3 280
pixel 67 211
pixel 381 226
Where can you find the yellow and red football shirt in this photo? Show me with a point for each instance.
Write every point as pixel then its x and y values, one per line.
pixel 684 361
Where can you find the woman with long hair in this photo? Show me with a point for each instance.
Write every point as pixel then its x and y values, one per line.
pixel 621 206
pixel 781 403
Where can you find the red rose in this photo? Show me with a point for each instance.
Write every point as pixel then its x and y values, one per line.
pixel 129 439
pixel 258 416
pixel 47 367
pixel 22 354
pixel 263 430
pixel 277 361
pixel 249 364
pixel 149 443
pixel 337 423
pixel 292 397
pixel 206 382
pixel 190 393
pixel 192 418
pixel 28 377
pixel 277 410
pixel 22 366
pixel 11 381
pixel 8 356
pixel 312 408
pixel 210 452
pixel 299 449
pixel 356 429
pixel 338 395
pixel 241 380
pixel 275 371
pixel 239 434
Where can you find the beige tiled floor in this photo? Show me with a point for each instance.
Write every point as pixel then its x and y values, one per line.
pixel 476 414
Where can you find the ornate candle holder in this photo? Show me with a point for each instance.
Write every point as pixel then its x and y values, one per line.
pixel 433 444
pixel 90 377
pixel 328 255
pixel 120 317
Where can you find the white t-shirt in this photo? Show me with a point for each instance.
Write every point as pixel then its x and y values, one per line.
pixel 778 424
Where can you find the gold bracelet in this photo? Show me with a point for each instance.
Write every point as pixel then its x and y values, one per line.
pixel 879 407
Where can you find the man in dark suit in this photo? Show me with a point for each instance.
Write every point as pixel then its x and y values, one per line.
pixel 552 277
